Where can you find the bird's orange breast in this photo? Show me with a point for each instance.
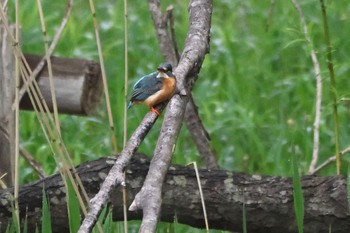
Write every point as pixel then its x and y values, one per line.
pixel 168 90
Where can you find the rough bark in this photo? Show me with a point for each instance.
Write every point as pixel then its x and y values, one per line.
pixel 78 84
pixel 268 200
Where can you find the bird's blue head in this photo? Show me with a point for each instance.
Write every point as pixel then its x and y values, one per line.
pixel 165 67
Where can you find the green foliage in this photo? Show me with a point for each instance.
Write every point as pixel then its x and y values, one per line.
pixel 46 216
pixel 108 225
pixel 255 92
pixel 298 195
pixel 73 207
pixel 14 225
pixel 256 88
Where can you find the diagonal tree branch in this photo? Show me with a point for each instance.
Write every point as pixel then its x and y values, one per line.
pixel 160 24
pixel 115 176
pixel 197 45
pixel 169 50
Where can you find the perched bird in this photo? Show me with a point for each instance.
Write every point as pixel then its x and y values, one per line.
pixel 154 88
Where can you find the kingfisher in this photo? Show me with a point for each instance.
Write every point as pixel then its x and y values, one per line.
pixel 154 88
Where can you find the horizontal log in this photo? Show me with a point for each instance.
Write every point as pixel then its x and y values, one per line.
pixel 268 201
pixel 78 85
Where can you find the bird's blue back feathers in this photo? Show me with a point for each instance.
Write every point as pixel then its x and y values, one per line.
pixel 143 78
pixel 146 86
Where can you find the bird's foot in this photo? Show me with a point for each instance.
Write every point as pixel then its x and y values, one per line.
pixel 155 111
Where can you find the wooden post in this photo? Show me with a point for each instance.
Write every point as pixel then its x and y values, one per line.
pixel 7 116
pixel 78 84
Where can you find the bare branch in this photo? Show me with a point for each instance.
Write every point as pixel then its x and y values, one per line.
pixel 115 176
pixel 170 18
pixel 329 161
pixel 318 77
pixel 35 164
pixel 160 24
pixel 170 52
pixel 197 45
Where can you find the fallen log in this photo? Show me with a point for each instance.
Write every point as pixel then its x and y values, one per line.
pixel 268 201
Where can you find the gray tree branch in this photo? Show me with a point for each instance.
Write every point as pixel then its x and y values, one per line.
pixel 192 119
pixel 149 198
pixel 115 176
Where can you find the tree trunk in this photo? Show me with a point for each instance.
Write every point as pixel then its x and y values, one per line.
pixel 268 201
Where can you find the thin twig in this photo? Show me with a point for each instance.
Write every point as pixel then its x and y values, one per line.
pixel 329 161
pixel 45 118
pixel 104 76
pixel 49 67
pixel 201 195
pixel 30 159
pixel 2 184
pixel 49 52
pixel 333 87
pixel 16 102
pixel 160 24
pixel 126 65
pixel 125 70
pixel 318 103
pixel 170 18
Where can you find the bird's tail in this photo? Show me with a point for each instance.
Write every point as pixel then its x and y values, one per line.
pixel 130 105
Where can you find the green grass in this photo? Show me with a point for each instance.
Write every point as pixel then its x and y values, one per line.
pixel 298 195
pixel 73 207
pixel 255 92
pixel 256 88
pixel 46 215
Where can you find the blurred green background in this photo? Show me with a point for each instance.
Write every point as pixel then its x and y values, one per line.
pixel 255 92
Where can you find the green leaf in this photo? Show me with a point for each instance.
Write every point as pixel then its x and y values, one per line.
pixel 73 207
pixel 107 224
pixel 293 42
pixel 46 215
pixel 298 195
pixel 25 224
pixel 15 222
